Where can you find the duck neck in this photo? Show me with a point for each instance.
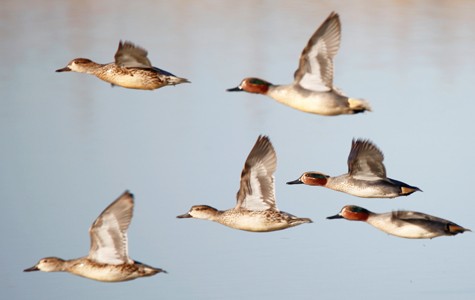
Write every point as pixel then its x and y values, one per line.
pixel 284 94
pixel 217 215
pixel 97 69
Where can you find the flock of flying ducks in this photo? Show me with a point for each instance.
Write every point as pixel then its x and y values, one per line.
pixel 312 91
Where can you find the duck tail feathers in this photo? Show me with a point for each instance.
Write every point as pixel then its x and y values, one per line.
pixel 454 229
pixel 359 105
pixel 172 80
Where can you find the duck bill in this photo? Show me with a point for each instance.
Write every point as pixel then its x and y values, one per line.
pixel 187 215
pixel 335 217
pixel 65 69
pixel 298 181
pixel 34 268
pixel 236 89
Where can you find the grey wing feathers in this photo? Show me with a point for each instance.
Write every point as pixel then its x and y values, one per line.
pixel 401 218
pixel 109 231
pixel 257 190
pixel 410 215
pixel 415 216
pixel 427 222
pixel 131 56
pixel 317 56
pixel 366 160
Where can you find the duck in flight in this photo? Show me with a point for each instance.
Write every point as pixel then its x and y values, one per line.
pixel 255 209
pixel 131 69
pixel 312 90
pixel 366 175
pixel 108 258
pixel 405 224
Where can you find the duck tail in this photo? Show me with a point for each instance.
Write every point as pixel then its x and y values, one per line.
pixel 149 271
pixel 298 221
pixel 146 270
pixel 406 191
pixel 172 80
pixel 454 229
pixel 359 105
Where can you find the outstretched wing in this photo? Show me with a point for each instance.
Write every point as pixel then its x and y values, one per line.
pixel 257 191
pixel 315 70
pixel 109 232
pixel 365 161
pixel 131 56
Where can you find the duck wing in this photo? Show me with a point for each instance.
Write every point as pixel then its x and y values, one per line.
pixel 257 190
pixel 109 232
pixel 365 161
pixel 428 222
pixel 130 56
pixel 162 72
pixel 315 70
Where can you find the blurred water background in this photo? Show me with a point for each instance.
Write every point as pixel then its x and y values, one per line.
pixel 71 144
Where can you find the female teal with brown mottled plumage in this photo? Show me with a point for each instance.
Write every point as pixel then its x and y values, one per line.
pixel 255 209
pixel 131 69
pixel 108 258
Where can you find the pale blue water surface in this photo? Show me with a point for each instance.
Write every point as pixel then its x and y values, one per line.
pixel 71 144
